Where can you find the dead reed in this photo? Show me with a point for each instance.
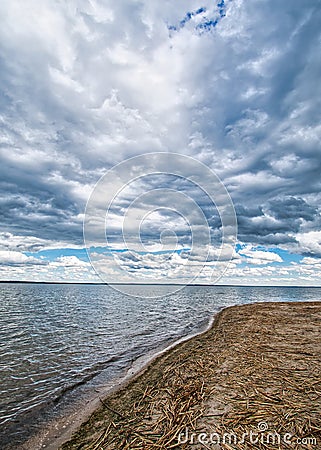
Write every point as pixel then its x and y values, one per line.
pixel 257 370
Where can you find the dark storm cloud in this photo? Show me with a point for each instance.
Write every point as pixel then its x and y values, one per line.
pixel 292 208
pixel 276 221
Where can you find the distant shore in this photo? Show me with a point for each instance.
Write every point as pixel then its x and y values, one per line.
pixel 254 376
pixel 183 285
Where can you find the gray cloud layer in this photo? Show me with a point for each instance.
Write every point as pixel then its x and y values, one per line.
pixel 85 85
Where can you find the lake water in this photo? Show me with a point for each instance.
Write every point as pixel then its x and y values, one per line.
pixel 60 343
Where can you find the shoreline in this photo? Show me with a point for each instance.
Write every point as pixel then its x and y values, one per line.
pixel 259 363
pixel 61 430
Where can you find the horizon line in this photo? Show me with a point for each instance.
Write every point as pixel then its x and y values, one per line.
pixel 92 283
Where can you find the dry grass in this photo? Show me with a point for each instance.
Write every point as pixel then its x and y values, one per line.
pixel 258 363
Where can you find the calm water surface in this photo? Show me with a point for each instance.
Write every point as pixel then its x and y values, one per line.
pixel 59 342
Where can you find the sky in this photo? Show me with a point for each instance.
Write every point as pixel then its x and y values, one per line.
pixel 227 97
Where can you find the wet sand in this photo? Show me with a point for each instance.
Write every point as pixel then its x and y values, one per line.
pixel 254 376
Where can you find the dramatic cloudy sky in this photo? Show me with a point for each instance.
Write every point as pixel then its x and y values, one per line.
pixel 88 84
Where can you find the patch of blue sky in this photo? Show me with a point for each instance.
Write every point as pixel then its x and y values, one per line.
pixel 189 15
pixel 54 254
pixel 206 24
pixel 286 256
pixel 222 8
pixel 104 250
pixel 164 252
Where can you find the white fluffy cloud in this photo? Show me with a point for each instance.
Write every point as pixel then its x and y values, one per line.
pixel 17 266
pixel 259 257
pixel 310 242
pixel 13 258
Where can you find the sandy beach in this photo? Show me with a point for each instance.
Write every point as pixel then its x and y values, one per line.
pixel 252 381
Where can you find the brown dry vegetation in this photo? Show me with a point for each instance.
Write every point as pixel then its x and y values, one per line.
pixel 259 364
